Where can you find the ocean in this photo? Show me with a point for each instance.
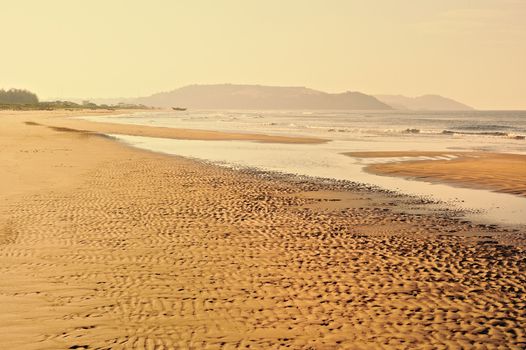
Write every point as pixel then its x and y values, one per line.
pixel 350 131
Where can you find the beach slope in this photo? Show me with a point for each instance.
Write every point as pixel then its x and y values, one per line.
pixel 105 246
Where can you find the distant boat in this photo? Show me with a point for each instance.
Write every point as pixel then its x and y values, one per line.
pixel 179 109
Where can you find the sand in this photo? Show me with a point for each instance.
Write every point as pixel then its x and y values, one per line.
pixel 174 133
pixel 494 171
pixel 104 246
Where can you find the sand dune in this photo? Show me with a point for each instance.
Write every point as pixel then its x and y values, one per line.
pixel 494 171
pixel 103 246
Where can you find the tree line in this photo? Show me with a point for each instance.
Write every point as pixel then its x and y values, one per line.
pixel 20 99
pixel 17 97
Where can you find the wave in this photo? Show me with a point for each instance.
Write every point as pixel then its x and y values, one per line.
pixel 482 133
pixel 486 133
pixel 484 127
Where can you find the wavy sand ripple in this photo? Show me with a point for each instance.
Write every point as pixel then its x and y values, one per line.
pixel 153 252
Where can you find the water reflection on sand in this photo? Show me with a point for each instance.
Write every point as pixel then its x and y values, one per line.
pixel 327 160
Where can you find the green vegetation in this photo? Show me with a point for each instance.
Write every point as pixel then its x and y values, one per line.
pixel 18 99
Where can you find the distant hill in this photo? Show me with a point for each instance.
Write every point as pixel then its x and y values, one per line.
pixel 230 96
pixel 423 103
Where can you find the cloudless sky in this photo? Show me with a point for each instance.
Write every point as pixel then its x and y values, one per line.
pixel 470 50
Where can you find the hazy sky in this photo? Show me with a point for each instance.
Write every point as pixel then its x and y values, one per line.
pixel 473 51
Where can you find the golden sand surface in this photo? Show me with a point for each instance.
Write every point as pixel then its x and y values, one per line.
pixel 106 247
pixel 175 133
pixel 499 172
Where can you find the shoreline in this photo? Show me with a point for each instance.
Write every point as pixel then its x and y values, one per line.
pixel 106 245
pixel 513 182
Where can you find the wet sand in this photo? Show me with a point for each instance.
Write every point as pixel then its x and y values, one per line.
pixel 176 133
pixel 104 246
pixel 494 171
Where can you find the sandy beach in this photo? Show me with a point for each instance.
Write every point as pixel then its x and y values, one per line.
pixel 494 171
pixel 174 133
pixel 103 246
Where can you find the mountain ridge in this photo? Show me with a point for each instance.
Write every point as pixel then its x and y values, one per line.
pixel 237 96
pixel 254 96
pixel 428 102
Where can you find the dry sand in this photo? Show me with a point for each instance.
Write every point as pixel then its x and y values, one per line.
pixel 103 246
pixel 494 171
